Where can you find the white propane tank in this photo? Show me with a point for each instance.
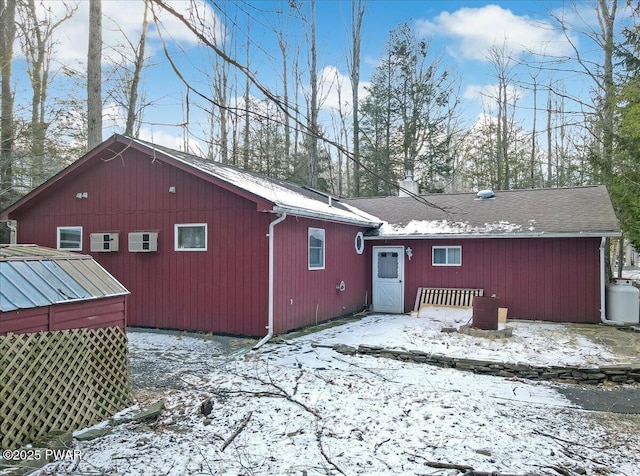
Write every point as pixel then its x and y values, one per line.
pixel 623 302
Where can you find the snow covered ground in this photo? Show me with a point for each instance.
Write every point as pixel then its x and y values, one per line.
pixel 301 408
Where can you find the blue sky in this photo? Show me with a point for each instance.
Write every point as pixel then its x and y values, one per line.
pixel 461 34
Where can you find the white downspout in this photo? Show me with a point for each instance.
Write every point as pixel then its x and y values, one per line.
pixel 603 286
pixel 271 235
pixel 13 232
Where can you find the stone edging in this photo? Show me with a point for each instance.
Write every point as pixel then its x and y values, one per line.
pixel 617 374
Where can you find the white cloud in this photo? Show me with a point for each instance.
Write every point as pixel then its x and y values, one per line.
pixel 480 29
pixel 113 117
pixel 335 87
pixel 487 94
pixel 122 19
pixel 172 141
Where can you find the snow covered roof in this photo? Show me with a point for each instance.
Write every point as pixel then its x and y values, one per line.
pixel 572 211
pixel 285 196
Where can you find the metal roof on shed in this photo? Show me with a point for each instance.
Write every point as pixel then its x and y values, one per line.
pixel 34 276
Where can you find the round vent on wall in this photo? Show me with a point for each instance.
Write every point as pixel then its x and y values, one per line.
pixel 359 243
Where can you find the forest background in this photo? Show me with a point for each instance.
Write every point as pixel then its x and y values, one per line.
pixel 346 96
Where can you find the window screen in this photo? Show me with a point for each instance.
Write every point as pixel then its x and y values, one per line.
pixel 388 265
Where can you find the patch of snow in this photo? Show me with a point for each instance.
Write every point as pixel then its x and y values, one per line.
pixel 311 410
pixel 436 227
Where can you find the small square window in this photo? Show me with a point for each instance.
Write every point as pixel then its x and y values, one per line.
pixel 70 238
pixel 316 248
pixel 446 256
pixel 191 237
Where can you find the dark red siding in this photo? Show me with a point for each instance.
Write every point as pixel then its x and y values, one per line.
pixel 303 296
pixel 93 314
pixel 553 279
pixel 223 290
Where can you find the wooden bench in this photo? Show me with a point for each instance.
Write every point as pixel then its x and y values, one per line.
pixel 453 297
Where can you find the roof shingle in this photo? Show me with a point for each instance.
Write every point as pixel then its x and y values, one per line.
pixel 571 211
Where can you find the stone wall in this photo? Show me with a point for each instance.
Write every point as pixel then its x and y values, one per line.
pixel 617 374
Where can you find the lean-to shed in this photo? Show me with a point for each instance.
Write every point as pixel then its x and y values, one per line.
pixel 43 289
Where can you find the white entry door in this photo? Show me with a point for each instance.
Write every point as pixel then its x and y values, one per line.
pixel 388 277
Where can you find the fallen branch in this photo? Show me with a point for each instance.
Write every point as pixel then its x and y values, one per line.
pixel 570 453
pixel 439 465
pixel 493 473
pixel 280 394
pixel 363 368
pixel 569 442
pixel 324 455
pixel 229 440
pixel 562 471
pixel 378 445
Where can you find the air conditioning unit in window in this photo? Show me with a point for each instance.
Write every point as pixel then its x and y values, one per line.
pixel 104 242
pixel 143 241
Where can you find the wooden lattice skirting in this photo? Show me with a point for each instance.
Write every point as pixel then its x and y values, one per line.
pixel 62 380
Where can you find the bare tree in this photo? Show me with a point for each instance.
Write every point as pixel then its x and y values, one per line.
pixel 358 8
pixel 220 89
pixel 600 71
pixel 283 46
pixel 94 75
pixel 312 137
pixel 37 44
pixel 534 152
pixel 132 110
pixel 247 108
pixel 7 37
pixel 503 69
pixel 303 126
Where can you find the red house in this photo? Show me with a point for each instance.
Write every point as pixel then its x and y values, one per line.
pixel 202 245
pixel 540 251
pixel 206 246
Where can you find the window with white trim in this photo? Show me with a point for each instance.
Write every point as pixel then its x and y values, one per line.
pixel 69 238
pixel 191 237
pixel 446 256
pixel 316 242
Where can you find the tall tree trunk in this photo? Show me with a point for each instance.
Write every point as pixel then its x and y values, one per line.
pixel 137 73
pixel 533 135
pixel 505 138
pixel 606 18
pixel 247 123
pixel 221 91
pixel 37 69
pixel 297 74
pixel 284 49
pixel 357 14
pixel 94 75
pixel 499 158
pixel 312 136
pixel 7 37
pixel 549 141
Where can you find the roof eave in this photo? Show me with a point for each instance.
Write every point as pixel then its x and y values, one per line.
pixel 6 214
pixel 442 236
pixel 315 215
